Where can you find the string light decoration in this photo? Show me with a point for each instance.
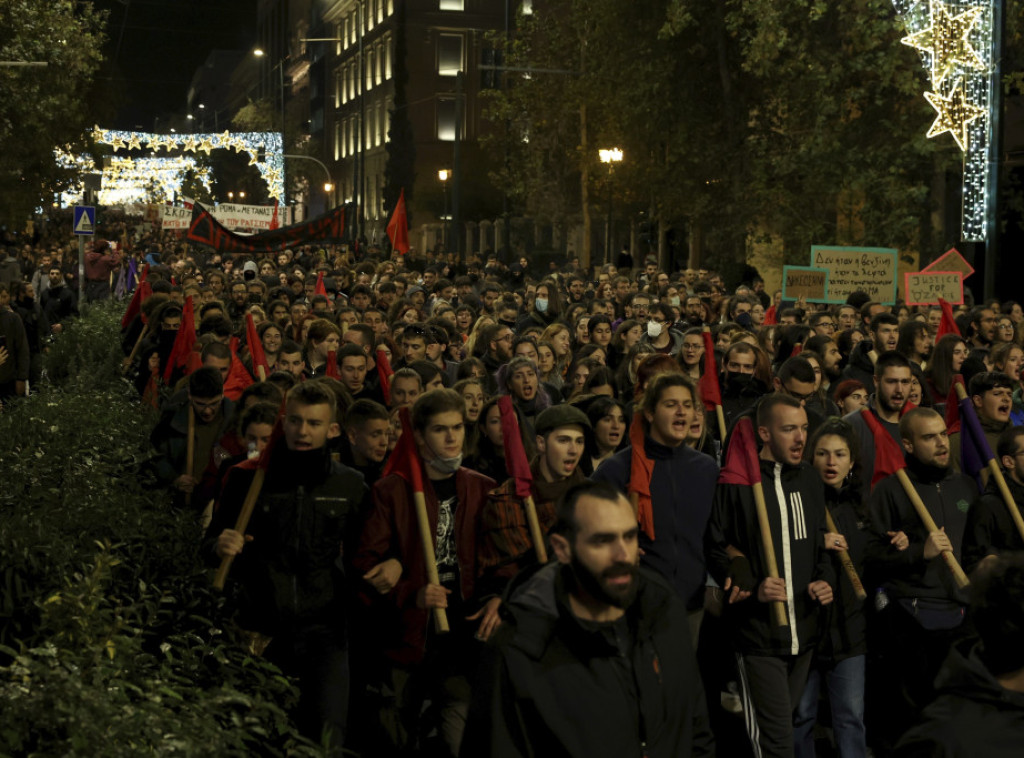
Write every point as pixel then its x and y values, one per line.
pixel 263 148
pixel 954 40
pixel 127 180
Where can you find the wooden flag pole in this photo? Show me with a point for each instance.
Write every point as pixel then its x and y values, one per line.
pixel 929 524
pixel 190 448
pixel 440 617
pixel 721 422
pixel 997 473
pixel 778 607
pixel 535 533
pixel 846 561
pixel 126 364
pixel 241 525
pixel 261 373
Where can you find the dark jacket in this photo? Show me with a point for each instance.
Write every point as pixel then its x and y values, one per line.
pixel 291 573
pixel 37 328
pixel 16 341
pixel 59 303
pixel 860 365
pixel 906 574
pixel 553 686
pixel 866 441
pixel 739 394
pixel 734 522
pixel 391 531
pixel 847 626
pixel 682 492
pixel 990 529
pixel 170 436
pixel 973 716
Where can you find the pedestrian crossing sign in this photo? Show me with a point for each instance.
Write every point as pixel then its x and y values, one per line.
pixel 85 219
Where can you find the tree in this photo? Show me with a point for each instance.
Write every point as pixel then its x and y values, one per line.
pixel 44 107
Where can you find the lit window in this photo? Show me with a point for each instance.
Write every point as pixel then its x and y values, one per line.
pixel 338 35
pixel 449 54
pixel 387 122
pixel 369 70
pixel 387 58
pixel 391 7
pixel 338 147
pixel 446 120
pixel 452 5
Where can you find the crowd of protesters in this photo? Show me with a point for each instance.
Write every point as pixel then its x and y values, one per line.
pixel 482 509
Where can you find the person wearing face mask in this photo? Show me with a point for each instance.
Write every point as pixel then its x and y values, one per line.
pixel 422 664
pixel 660 334
pixel 740 383
pixel 546 310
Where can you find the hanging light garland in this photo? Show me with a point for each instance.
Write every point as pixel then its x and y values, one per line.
pixel 127 180
pixel 955 42
pixel 263 148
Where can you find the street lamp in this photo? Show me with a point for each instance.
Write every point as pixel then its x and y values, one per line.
pixel 444 174
pixel 609 157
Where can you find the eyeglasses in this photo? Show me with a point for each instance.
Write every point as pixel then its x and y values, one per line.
pixel 797 395
pixel 827 324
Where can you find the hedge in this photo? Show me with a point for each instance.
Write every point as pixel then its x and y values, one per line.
pixel 111 641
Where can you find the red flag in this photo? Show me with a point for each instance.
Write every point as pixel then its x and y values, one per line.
pixel 741 465
pixel 641 469
pixel 384 373
pixel 888 455
pixel 259 358
pixel 515 456
pixel 398 226
pixel 141 294
pixel 710 391
pixel 953 406
pixel 151 393
pixel 183 342
pixel 331 369
pixel 274 223
pixel 770 316
pixel 948 323
pixel 237 380
pixel 405 458
pixel 797 349
pixel 321 289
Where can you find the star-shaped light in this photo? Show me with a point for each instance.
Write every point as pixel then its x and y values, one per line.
pixel 134 142
pixel 946 41
pixel 253 158
pixel 206 145
pixel 955 114
pixel 190 144
pixel 117 143
pixel 224 139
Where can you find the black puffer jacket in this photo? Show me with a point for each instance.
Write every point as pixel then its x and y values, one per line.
pixel 309 508
pixel 990 528
pixel 554 687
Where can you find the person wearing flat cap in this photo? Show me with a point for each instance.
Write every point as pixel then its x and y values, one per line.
pixel 505 547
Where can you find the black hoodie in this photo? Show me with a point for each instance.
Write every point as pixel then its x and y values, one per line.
pixel 973 716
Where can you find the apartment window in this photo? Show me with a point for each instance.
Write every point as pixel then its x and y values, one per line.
pixel 351 137
pixel 380 10
pixel 353 27
pixel 387 121
pixel 391 7
pixel 347 34
pixel 378 64
pixel 452 5
pixel 369 129
pixel 369 69
pixel 527 7
pixel 387 58
pixel 446 120
pixel 449 54
pixel 371 14
pixel 337 140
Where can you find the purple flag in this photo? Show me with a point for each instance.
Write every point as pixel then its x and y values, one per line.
pixel 974 450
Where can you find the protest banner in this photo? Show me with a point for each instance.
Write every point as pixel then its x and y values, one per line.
pixel 805 282
pixel 926 287
pixel 951 260
pixel 851 269
pixel 239 218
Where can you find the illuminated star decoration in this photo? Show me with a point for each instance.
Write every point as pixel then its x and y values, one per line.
pixel 946 40
pixel 134 142
pixel 954 115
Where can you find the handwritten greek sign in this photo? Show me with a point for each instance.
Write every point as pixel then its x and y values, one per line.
pixel 806 282
pixel 951 260
pixel 926 287
pixel 851 269
pixel 244 218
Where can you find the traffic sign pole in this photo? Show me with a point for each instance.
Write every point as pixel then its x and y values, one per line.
pixel 84 225
pixel 81 272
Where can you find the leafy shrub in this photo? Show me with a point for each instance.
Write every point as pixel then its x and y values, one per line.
pixel 111 641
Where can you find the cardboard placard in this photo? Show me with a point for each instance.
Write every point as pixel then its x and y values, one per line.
pixel 805 281
pixel 951 260
pixel 851 269
pixel 926 287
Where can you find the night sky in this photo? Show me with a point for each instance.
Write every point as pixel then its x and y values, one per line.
pixel 154 47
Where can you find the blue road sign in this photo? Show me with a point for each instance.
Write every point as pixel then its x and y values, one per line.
pixel 85 219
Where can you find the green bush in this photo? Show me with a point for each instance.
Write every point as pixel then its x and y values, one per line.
pixel 111 641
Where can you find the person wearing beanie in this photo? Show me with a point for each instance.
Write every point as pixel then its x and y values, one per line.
pixel 506 546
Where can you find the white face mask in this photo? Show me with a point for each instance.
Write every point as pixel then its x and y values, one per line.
pixel 541 304
pixel 674 301
pixel 653 329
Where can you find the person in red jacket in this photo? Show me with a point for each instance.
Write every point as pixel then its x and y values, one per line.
pixel 100 263
pixel 422 663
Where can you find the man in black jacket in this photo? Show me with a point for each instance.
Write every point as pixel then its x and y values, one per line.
pixel 290 570
pixel 591 639
pixel 922 609
pixel 990 529
pixel 773 661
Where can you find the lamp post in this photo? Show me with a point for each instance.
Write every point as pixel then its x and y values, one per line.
pixel 609 157
pixel 444 175
pixel 259 53
pixel 329 184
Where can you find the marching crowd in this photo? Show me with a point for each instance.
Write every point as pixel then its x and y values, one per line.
pixel 489 510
